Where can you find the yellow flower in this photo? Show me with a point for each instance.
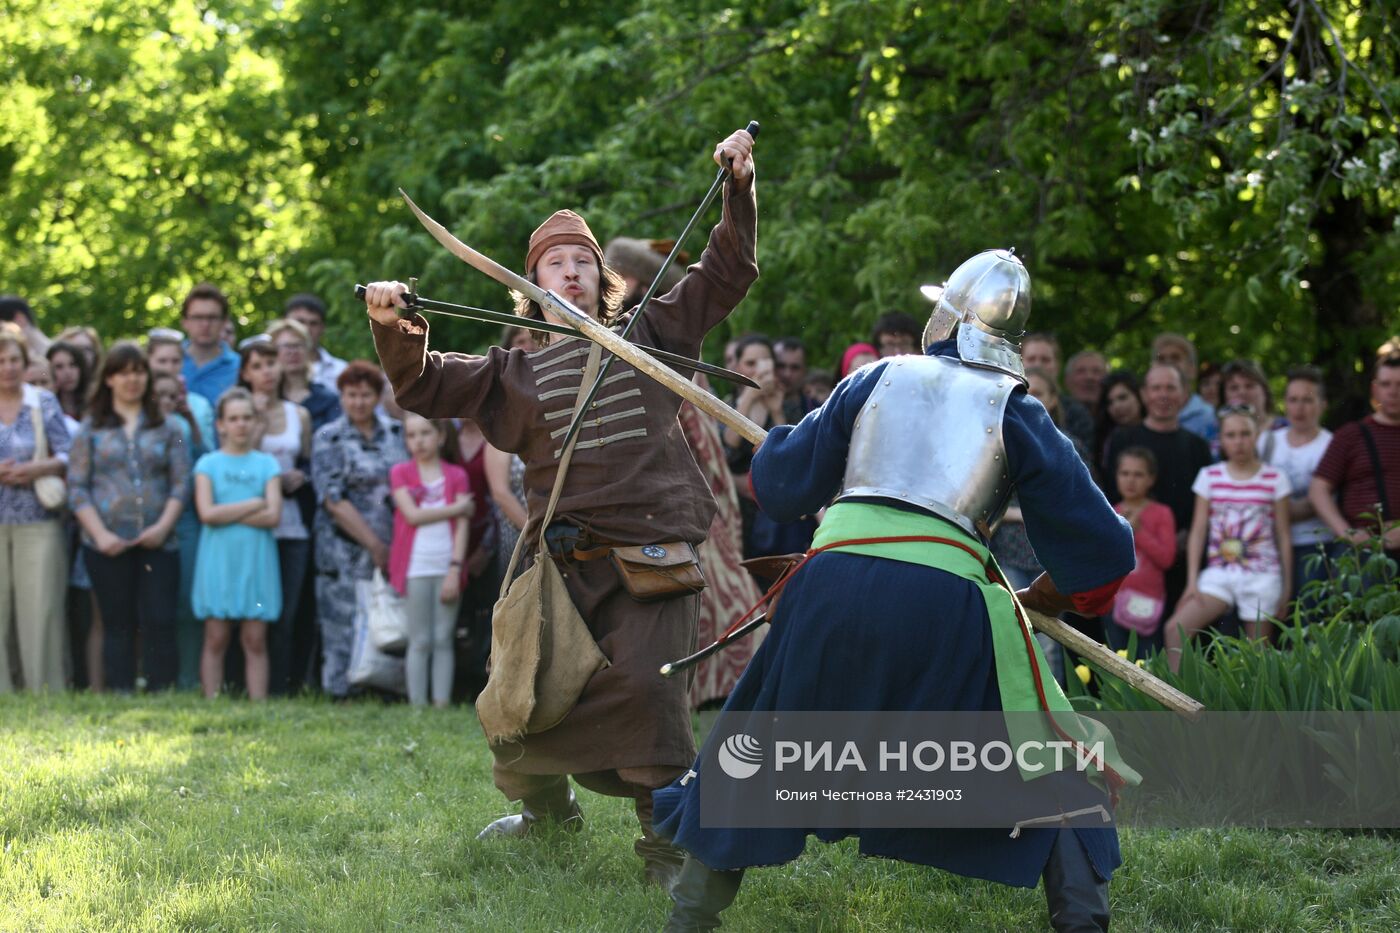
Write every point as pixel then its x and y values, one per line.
pixel 1083 671
pixel 1140 662
pixel 1122 652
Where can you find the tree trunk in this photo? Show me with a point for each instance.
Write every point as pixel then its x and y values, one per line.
pixel 1349 325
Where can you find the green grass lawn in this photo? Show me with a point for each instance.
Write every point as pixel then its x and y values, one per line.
pixel 174 813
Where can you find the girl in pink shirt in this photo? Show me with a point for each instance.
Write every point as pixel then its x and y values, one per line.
pixel 432 499
pixel 1140 600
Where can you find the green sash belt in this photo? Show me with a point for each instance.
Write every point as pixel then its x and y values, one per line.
pixel 848 521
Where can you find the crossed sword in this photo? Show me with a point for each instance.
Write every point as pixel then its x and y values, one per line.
pixel 580 324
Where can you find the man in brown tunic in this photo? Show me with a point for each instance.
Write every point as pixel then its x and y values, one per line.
pixel 632 481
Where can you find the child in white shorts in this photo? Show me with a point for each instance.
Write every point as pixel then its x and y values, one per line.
pixel 1241 521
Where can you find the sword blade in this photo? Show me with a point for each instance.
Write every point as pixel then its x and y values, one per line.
pixel 474 259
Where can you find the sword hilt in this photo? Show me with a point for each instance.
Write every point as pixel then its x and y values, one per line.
pixel 752 130
pixel 410 297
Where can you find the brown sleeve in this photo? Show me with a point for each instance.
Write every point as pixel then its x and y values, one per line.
pixel 679 320
pixel 455 385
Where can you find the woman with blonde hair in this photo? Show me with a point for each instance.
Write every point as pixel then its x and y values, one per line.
pixel 86 339
pixel 293 343
pixel 33 556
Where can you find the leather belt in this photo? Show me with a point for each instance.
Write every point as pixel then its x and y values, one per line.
pixel 567 541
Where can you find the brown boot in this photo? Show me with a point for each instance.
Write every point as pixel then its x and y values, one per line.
pixel 661 861
pixel 561 810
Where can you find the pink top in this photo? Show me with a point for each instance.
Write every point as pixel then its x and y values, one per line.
pixel 1155 544
pixel 405 476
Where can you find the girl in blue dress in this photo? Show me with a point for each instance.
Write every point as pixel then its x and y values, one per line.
pixel 239 497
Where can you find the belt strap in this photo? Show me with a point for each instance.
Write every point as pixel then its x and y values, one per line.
pixel 592 553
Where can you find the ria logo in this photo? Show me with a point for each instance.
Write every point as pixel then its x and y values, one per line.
pixel 740 756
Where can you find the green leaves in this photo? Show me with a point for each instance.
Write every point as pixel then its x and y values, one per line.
pixel 261 147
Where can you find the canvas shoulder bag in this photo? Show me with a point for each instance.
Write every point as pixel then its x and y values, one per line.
pixel 542 654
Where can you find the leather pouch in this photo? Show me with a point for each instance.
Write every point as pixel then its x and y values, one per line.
pixel 652 572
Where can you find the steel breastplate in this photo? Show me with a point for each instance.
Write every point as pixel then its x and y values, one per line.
pixel 930 436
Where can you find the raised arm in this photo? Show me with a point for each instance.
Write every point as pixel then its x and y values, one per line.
pixel 681 318
pixel 447 385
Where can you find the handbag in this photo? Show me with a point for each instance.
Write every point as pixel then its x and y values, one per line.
pixel 542 654
pixel 370 667
pixel 652 572
pixel 1138 611
pixel 51 491
pixel 388 616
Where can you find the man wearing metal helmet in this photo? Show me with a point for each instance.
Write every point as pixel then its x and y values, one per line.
pixel 925 449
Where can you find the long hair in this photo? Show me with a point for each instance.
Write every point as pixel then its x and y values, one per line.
pixel 120 358
pixel 82 330
pixel 196 437
pixel 262 348
pixel 80 360
pixel 1104 425
pixel 450 449
pixel 612 289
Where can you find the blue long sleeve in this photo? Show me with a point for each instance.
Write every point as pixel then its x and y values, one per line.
pixel 1077 537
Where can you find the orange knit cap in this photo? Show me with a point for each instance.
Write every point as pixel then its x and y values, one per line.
pixel 562 227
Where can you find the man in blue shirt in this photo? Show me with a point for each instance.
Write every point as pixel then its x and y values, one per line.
pixel 210 366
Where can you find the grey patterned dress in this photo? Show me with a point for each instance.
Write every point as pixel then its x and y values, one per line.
pixel 346 465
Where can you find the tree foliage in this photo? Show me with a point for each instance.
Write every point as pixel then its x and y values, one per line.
pixel 144 148
pixel 1223 169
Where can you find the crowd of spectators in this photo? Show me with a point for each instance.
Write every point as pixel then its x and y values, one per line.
pixel 1228 533
pixel 157 497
